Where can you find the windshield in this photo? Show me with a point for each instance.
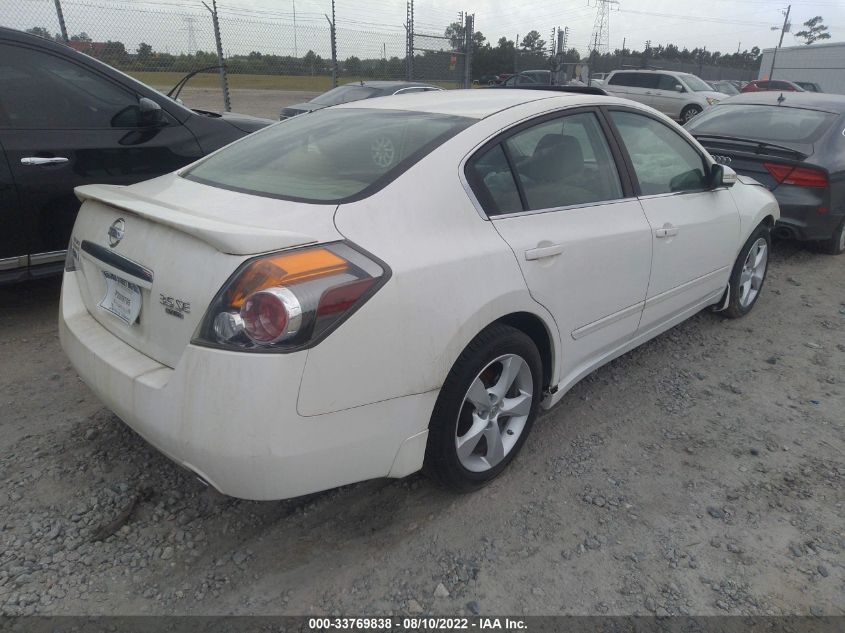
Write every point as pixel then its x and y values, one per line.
pixel 345 94
pixel 726 88
pixel 695 84
pixel 328 155
pixel 763 123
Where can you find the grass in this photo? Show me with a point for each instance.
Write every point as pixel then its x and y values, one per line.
pixel 319 83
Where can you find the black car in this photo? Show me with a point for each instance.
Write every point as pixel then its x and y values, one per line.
pixel 355 92
pixel 67 119
pixel 791 142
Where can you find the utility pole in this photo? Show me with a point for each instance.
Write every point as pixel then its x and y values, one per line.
pixel 468 33
pixel 782 31
pixel 295 52
pixel 61 17
pixel 224 83
pixel 334 47
pixel 409 27
pixel 622 57
pixel 516 56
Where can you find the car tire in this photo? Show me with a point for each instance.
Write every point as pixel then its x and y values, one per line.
pixel 689 112
pixel 835 245
pixel 477 411
pixel 749 273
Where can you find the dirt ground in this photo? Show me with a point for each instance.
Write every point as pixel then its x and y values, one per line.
pixel 699 474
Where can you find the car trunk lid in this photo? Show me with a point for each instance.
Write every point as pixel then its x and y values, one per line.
pixel 748 157
pixel 154 255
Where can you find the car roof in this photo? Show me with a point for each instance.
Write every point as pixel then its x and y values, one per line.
pixel 476 104
pixel 807 100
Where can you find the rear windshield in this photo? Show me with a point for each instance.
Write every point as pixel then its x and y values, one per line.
pixel 345 94
pixel 334 155
pixel 763 122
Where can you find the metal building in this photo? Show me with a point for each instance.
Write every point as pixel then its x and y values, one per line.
pixel 823 64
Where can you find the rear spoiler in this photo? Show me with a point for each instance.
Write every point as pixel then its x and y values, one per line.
pixel 226 237
pixel 584 90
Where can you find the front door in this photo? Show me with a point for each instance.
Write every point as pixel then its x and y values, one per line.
pixel 668 96
pixel 14 250
pixel 553 192
pixel 690 222
pixel 63 125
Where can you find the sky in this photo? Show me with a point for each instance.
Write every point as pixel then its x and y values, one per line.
pixel 369 27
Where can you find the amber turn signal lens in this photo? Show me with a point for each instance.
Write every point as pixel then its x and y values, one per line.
pixel 285 270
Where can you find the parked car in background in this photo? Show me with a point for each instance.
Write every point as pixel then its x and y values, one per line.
pixel 792 143
pixel 764 85
pixel 725 87
pixel 487 80
pixel 809 86
pixel 356 92
pixel 537 77
pixel 382 286
pixel 680 96
pixel 67 119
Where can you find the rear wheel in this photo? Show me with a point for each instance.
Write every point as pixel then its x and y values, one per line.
pixel 836 244
pixel 485 409
pixel 749 273
pixel 689 112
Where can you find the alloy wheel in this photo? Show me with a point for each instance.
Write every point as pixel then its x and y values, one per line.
pixel 494 412
pixel 753 272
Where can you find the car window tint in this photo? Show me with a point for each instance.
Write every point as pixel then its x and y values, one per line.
pixel 493 183
pixel 648 80
pixel 563 162
pixel 667 82
pixel 42 91
pixel 622 79
pixel 663 160
pixel 329 155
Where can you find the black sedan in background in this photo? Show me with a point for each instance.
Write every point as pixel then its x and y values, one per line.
pixel 67 119
pixel 792 143
pixel 355 92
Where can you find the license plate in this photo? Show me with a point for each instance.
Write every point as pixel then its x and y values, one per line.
pixel 122 298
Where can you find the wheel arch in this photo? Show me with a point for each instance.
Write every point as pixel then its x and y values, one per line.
pixel 536 329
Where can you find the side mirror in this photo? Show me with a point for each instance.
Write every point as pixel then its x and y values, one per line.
pixel 722 176
pixel 150 112
pixel 679 88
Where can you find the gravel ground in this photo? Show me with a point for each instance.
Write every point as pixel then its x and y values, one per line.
pixel 699 474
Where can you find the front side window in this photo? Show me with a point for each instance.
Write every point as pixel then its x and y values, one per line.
pixel 668 82
pixel 695 84
pixel 663 160
pixel 328 155
pixel 43 91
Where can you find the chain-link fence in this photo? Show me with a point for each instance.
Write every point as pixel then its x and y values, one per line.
pixel 260 58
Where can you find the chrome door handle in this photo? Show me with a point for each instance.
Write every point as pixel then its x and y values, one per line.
pixel 667 231
pixel 41 160
pixel 543 251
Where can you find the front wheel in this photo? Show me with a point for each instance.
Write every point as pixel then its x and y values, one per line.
pixel 749 273
pixel 485 409
pixel 689 112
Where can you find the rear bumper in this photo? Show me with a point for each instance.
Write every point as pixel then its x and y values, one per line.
pixel 231 417
pixel 806 223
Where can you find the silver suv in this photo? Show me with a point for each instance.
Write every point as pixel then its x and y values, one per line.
pixel 678 95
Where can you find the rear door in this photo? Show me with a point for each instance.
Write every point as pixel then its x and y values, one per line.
pixel 694 229
pixel 554 193
pixel 63 124
pixel 637 86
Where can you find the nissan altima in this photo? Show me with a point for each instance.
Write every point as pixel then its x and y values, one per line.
pixel 374 289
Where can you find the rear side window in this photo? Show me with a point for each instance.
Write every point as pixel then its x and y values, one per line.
pixel 663 160
pixel 623 79
pixel 558 163
pixel 763 123
pixel 329 155
pixel 43 91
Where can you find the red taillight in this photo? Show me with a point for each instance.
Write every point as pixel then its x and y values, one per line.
pixel 290 300
pixel 799 176
pixel 265 315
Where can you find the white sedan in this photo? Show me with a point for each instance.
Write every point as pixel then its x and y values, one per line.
pixel 373 289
